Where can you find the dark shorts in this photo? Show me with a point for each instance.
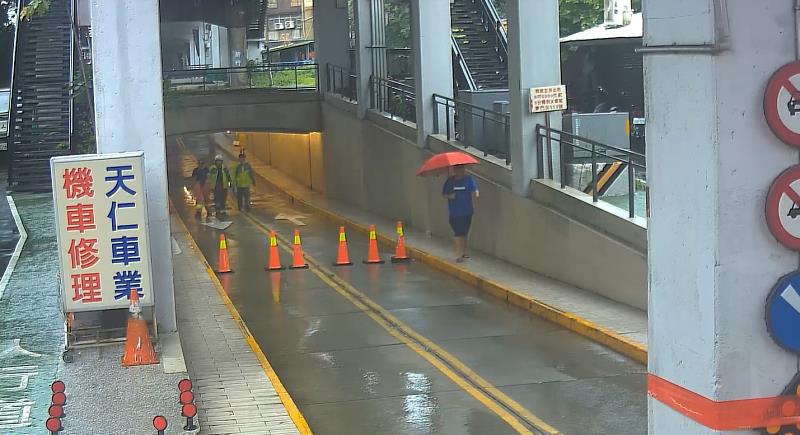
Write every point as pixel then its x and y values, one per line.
pixel 460 225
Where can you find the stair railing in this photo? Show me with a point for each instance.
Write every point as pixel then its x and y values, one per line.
pixel 492 22
pixel 458 57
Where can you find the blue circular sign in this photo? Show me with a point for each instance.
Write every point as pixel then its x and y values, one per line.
pixel 783 312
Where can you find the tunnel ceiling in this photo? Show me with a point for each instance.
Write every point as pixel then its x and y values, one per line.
pixel 227 13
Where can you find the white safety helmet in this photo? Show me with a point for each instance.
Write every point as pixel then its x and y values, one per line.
pixel 218 158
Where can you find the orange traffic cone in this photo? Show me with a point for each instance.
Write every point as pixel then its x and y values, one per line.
pixel 342 258
pixel 298 261
pixel 224 265
pixel 400 254
pixel 138 348
pixel 372 256
pixel 274 254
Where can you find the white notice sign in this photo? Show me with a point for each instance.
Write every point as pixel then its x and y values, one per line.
pixel 101 219
pixel 548 99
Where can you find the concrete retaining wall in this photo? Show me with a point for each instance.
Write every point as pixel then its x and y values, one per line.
pixel 297 155
pixel 372 167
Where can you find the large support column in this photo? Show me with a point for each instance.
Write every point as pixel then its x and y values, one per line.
pixel 534 60
pixel 433 61
pixel 710 161
pixel 364 66
pixel 237 43
pixel 129 116
pixel 332 41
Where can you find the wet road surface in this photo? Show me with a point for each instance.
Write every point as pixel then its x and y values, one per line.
pixel 8 228
pixel 404 349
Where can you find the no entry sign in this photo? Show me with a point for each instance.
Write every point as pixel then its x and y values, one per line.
pixel 783 208
pixel 782 103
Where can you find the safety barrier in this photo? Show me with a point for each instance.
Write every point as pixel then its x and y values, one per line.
pixel 393 97
pixel 471 125
pixel 297 77
pixel 575 149
pixel 341 82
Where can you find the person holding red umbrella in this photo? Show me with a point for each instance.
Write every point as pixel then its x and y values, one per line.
pixel 461 192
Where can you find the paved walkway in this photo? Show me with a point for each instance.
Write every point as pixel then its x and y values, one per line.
pixel 620 326
pixel 234 395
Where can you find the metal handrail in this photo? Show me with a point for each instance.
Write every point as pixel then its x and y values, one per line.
pixel 460 117
pixel 393 97
pixel 248 77
pixel 490 12
pixel 459 56
pixel 346 90
pixel 597 151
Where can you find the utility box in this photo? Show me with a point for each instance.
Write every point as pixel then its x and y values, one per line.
pixel 606 128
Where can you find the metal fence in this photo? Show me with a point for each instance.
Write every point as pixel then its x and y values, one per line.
pixel 301 77
pixel 342 82
pixel 392 97
pixel 474 126
pixel 576 150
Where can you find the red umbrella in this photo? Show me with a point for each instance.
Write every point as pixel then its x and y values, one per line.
pixel 441 163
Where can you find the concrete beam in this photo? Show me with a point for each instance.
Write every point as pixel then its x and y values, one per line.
pixel 129 116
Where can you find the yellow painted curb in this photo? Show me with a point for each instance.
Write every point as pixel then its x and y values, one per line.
pixel 613 340
pixel 294 412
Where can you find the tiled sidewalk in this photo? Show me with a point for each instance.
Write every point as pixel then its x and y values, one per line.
pixel 234 394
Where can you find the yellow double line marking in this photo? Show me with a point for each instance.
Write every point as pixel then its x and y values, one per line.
pixel 486 393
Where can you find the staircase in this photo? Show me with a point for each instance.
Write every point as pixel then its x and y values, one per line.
pixel 480 45
pixel 41 103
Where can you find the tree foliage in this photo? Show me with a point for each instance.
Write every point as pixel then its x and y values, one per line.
pixel 575 15
pixel 34 8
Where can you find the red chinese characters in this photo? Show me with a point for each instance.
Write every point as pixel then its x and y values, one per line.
pixel 78 183
pixel 86 287
pixel 80 217
pixel 83 254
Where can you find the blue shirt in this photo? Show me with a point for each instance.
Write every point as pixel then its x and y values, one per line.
pixel 463 189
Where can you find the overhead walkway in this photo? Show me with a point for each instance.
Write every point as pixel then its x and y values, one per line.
pixel 404 348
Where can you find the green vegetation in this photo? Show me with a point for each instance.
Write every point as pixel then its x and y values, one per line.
pixel 306 78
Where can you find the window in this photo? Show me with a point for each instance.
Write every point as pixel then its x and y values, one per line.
pixel 272 4
pixel 297 3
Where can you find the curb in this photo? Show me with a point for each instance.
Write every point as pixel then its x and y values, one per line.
pixel 599 334
pixel 291 407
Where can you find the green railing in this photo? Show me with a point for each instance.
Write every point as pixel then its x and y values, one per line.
pixel 299 76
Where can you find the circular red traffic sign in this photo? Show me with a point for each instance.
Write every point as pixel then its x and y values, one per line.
pixel 189 410
pixel 184 385
pixel 53 424
pixel 160 422
pixel 57 387
pixel 186 397
pixel 783 208
pixel 59 399
pixel 782 103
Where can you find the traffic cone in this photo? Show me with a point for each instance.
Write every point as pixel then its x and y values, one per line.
pixel 138 348
pixel 400 254
pixel 274 253
pixel 372 255
pixel 224 265
pixel 342 258
pixel 298 261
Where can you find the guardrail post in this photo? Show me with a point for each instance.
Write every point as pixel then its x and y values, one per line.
pixel 539 151
pixel 631 188
pixel 594 174
pixel 435 115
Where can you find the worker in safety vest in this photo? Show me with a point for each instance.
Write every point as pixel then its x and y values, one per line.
pixel 243 180
pixel 220 180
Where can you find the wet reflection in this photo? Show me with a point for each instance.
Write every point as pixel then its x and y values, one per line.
pixel 419 408
pixel 275 283
pixel 311 329
pixel 370 381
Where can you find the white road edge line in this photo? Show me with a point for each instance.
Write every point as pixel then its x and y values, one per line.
pixel 23 236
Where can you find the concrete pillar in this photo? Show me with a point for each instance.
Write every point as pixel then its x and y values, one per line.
pixel 534 60
pixel 129 116
pixel 433 61
pixel 237 43
pixel 332 39
pixel 710 160
pixel 363 26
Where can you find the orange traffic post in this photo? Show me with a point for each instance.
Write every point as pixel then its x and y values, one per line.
pixel 298 260
pixel 342 258
pixel 400 254
pixel 274 253
pixel 139 350
pixel 373 257
pixel 224 264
